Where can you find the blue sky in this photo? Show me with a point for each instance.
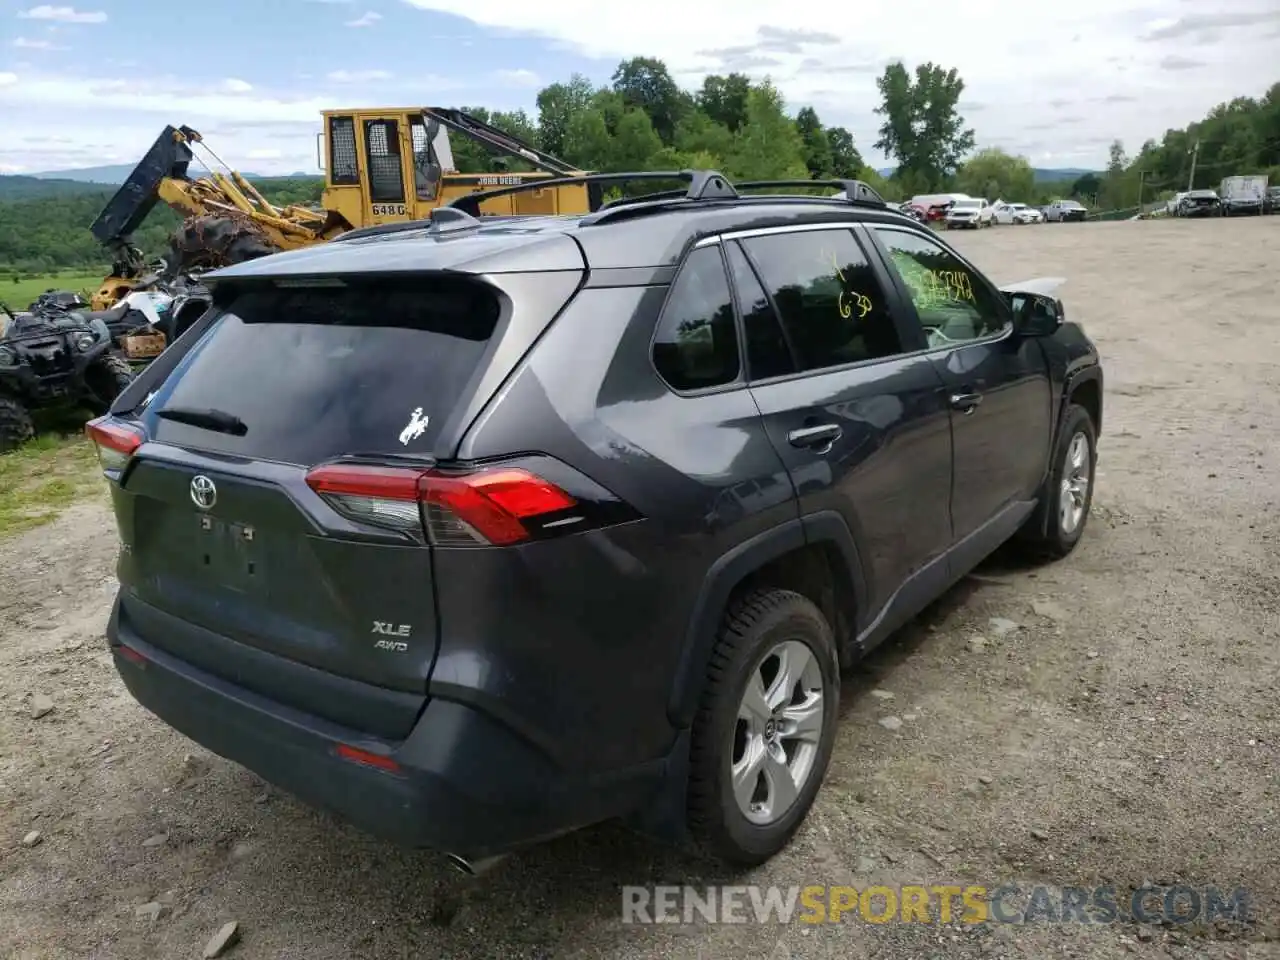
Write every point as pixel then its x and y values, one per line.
pixel 93 82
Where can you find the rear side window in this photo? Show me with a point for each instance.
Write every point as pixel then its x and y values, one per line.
pixel 768 354
pixel 314 373
pixel 832 308
pixel 696 344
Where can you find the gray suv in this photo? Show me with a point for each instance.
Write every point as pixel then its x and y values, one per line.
pixel 479 530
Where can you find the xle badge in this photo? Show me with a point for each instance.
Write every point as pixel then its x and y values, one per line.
pixel 391 630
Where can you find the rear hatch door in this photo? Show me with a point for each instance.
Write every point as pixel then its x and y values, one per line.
pixel 225 538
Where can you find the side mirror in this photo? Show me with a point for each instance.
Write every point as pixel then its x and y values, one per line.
pixel 1035 315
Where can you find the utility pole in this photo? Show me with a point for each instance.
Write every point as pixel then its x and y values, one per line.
pixel 1141 176
pixel 1195 153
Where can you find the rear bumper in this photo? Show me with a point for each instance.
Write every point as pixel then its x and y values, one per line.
pixel 462 782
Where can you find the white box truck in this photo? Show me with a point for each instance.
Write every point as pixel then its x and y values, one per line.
pixel 1242 195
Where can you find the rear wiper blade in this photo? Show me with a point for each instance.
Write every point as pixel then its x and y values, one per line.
pixel 209 419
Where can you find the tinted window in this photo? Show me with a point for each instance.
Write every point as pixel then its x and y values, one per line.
pixel 953 304
pixel 696 345
pixel 318 372
pixel 832 308
pixel 768 354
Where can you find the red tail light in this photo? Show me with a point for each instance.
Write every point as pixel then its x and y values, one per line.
pixel 486 507
pixel 116 442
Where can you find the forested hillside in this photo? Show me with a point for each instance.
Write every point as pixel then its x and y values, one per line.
pixel 643 120
pixel 51 233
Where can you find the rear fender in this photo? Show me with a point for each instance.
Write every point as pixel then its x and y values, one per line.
pixel 729 571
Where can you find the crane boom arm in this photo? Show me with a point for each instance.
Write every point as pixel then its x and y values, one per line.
pixel 496 140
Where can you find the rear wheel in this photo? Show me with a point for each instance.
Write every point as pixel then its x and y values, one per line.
pixel 107 377
pixel 764 730
pixel 16 426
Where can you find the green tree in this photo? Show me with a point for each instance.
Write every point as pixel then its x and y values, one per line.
pixel 768 147
pixel 587 143
pixel 1086 185
pixel 697 133
pixel 994 174
pixel 923 129
pixel 636 143
pixel 646 84
pixel 558 104
pixel 846 162
pixel 816 145
pixel 724 99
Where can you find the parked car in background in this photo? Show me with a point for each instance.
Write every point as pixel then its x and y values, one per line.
pixel 1061 211
pixel 914 211
pixel 1171 205
pixel 937 205
pixel 1015 213
pixel 1242 195
pixel 1271 201
pixel 1198 203
pixel 972 212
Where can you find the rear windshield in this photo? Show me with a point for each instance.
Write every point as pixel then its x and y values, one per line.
pixel 313 373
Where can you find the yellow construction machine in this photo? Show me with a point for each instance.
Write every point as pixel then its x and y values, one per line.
pixel 380 166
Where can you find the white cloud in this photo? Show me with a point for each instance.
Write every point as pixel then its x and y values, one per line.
pixel 1015 57
pixel 25 43
pixel 367 19
pixel 236 85
pixel 64 14
pixel 358 76
pixel 269 153
pixel 519 78
pixel 8 79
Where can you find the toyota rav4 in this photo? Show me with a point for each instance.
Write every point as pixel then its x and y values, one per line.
pixel 480 530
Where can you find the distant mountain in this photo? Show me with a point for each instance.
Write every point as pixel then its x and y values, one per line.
pixel 1042 174
pixel 1054 174
pixel 114 174
pixel 35 188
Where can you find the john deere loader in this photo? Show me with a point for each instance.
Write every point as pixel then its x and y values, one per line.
pixel 380 166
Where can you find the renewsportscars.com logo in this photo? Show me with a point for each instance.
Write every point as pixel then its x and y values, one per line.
pixel 938 903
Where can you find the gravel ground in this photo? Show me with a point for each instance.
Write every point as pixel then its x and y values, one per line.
pixel 1125 731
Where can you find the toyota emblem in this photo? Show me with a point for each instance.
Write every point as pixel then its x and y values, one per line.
pixel 203 493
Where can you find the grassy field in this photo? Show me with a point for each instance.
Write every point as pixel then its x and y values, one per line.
pixel 19 294
pixel 45 475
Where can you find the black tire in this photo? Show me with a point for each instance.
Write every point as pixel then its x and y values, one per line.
pixel 1046 535
pixel 16 425
pixel 107 377
pixel 752 628
pixel 209 242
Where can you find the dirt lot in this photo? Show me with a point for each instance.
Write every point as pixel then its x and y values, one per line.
pixel 1128 730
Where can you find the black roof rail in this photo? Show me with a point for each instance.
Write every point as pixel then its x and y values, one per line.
pixel 703 180
pixel 855 191
pixel 703 185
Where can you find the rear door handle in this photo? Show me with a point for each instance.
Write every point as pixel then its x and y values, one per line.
pixel 966 402
pixel 817 437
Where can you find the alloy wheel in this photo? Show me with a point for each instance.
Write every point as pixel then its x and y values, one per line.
pixel 1076 478
pixel 778 731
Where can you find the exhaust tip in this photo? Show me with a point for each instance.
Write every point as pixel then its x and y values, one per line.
pixel 474 868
